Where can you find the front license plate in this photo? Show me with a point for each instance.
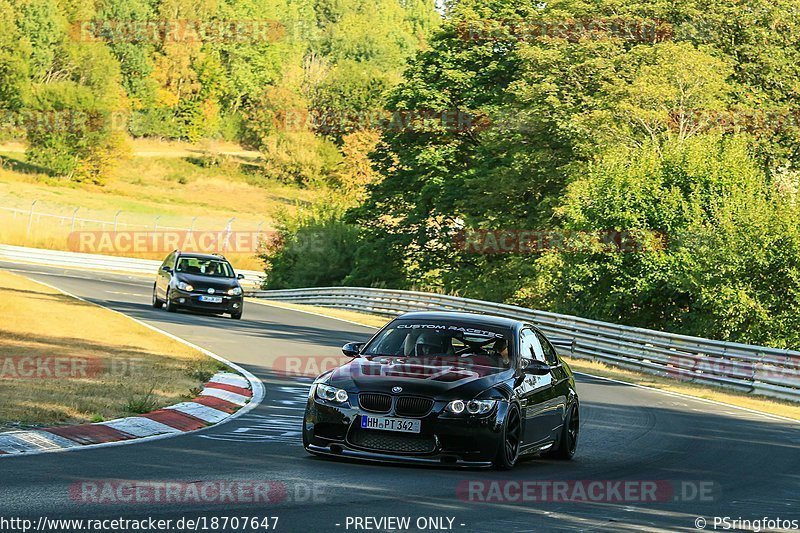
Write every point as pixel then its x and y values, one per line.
pixel 402 425
pixel 211 299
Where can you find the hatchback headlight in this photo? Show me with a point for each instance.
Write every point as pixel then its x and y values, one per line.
pixel 331 394
pixel 185 286
pixel 236 291
pixel 473 407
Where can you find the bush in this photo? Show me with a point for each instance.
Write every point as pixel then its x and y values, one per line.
pixel 315 248
pixel 731 265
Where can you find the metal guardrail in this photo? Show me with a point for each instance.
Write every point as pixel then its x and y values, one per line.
pixel 753 369
pixel 18 254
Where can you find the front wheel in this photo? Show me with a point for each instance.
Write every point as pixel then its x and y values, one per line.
pixel 568 442
pixel 508 454
pixel 236 315
pixel 171 307
pixel 157 302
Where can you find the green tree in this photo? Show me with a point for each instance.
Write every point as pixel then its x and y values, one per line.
pixel 729 239
pixel 14 75
pixel 314 249
pixel 76 103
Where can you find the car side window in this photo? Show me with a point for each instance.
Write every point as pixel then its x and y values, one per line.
pixel 169 260
pixel 530 347
pixel 549 352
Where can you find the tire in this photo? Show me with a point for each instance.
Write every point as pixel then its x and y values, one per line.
pixel 568 440
pixel 508 454
pixel 171 307
pixel 157 302
pixel 236 316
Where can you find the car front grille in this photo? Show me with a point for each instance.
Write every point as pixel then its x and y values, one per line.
pixel 377 403
pixel 221 291
pixel 413 406
pixel 394 442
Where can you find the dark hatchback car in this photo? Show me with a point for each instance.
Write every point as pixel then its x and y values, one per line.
pixel 446 388
pixel 200 282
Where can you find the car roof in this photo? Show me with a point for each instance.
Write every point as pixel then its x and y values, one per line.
pixel 203 256
pixel 464 318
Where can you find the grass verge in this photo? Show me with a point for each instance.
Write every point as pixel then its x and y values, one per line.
pixel 64 361
pixel 756 403
pixel 144 193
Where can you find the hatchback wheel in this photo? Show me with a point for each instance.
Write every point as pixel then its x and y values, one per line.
pixel 157 302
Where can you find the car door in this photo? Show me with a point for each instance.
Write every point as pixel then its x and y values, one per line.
pixel 560 382
pixel 535 392
pixel 163 278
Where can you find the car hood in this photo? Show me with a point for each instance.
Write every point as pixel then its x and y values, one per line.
pixel 206 282
pixel 437 378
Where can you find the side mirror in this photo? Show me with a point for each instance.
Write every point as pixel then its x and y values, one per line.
pixel 537 368
pixel 240 276
pixel 568 344
pixel 352 349
pixel 167 269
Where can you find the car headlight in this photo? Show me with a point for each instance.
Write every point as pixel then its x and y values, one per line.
pixel 473 407
pixel 236 291
pixel 331 394
pixel 185 286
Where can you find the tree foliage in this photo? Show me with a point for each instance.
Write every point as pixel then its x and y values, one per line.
pixel 202 69
pixel 685 131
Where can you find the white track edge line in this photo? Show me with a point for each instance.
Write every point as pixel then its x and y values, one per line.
pixel 255 383
pixel 261 302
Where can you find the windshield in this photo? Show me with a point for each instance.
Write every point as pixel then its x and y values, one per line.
pixel 473 344
pixel 214 268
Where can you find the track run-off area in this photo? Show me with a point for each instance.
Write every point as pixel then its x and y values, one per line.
pixel 704 460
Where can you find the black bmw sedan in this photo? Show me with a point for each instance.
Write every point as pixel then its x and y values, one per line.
pixel 446 388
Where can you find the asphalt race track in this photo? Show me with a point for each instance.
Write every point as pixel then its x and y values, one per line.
pixel 751 461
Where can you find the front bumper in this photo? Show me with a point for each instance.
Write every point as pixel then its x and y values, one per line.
pixel 191 300
pixel 445 439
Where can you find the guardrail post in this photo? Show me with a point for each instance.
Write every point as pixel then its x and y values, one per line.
pixel 72 224
pixel 115 220
pixel 30 218
pixel 227 235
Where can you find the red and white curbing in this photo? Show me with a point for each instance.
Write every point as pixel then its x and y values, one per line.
pixel 222 396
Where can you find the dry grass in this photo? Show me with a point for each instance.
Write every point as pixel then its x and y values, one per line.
pixel 120 367
pixel 756 403
pixel 176 189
